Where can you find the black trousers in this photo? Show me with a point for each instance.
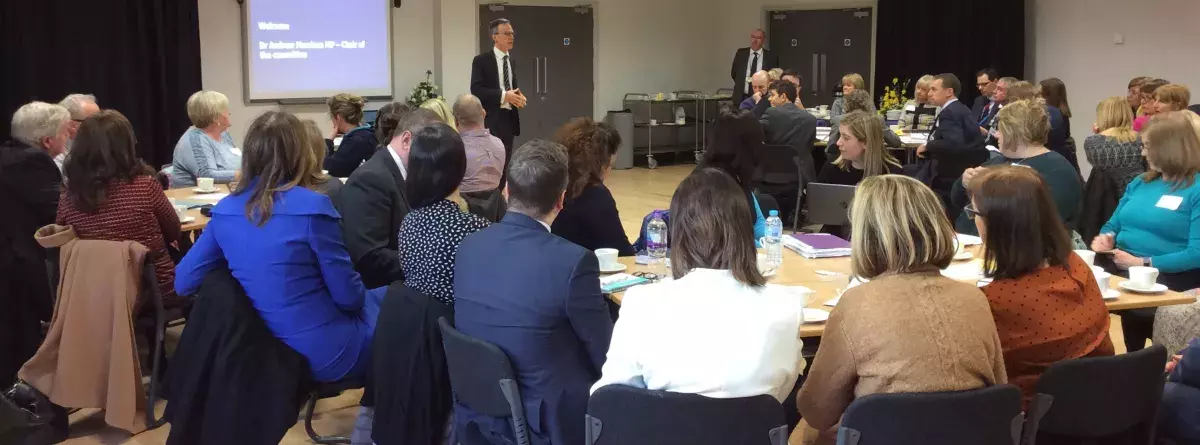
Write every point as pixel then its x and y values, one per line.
pixel 502 128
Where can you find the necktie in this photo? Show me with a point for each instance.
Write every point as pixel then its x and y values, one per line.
pixel 507 83
pixel 753 69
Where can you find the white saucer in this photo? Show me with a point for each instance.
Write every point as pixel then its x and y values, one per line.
pixel 1158 287
pixel 187 219
pixel 618 268
pixel 964 256
pixel 1111 294
pixel 203 191
pixel 815 315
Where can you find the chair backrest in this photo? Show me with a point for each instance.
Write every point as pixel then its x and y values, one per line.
pixel 778 164
pixel 482 378
pixel 988 416
pixel 625 415
pixel 1113 398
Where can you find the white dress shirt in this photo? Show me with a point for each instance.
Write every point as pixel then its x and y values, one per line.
pixel 500 55
pixel 399 163
pixel 707 334
pixel 751 68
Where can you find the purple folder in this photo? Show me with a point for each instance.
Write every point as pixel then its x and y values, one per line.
pixel 821 241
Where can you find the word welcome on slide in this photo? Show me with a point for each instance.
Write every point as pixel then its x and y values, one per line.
pixel 302 49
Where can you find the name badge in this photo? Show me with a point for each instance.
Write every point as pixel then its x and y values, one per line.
pixel 236 151
pixel 1169 202
pixel 910 108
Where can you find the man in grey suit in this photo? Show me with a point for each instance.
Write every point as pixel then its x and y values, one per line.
pixel 786 124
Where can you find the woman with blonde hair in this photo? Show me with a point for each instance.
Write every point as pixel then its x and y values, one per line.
pixel 862 151
pixel 318 180
pixel 358 140
pixel 206 150
pixel 859 100
pixel 850 82
pixel 909 328
pixel 918 107
pixel 440 108
pixel 1115 148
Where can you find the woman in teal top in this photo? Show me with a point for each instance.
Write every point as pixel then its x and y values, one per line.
pixel 1157 222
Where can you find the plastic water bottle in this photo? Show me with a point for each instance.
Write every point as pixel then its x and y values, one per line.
pixel 773 242
pixel 656 240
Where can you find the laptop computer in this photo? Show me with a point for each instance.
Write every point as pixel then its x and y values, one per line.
pixel 829 204
pixel 369 117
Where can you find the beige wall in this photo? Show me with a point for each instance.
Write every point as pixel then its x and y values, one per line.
pixel 1073 40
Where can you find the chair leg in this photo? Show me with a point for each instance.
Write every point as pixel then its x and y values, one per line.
pixel 150 282
pixel 308 417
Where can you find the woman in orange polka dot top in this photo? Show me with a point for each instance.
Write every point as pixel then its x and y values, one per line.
pixel 1044 298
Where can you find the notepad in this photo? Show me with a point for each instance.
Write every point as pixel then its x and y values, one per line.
pixel 614 283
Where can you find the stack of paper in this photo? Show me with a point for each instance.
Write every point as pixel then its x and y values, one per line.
pixel 817 245
pixel 611 284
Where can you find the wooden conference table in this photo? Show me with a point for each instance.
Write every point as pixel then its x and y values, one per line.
pixel 189 197
pixel 800 271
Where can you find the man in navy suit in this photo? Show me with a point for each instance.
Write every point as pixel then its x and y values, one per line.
pixel 537 297
pixel 955 143
pixel 495 84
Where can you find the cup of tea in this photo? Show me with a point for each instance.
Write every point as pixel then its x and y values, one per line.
pixel 1142 277
pixel 1087 255
pixel 204 183
pixel 180 210
pixel 607 258
pixel 1102 278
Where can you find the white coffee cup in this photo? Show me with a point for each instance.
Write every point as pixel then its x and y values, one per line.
pixel 204 183
pixel 653 121
pixel 607 258
pixel 1102 277
pixel 1142 277
pixel 1087 255
pixel 180 211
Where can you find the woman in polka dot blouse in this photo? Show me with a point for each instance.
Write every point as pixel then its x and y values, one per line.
pixel 430 234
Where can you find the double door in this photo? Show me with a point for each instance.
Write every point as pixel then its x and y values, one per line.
pixel 822 45
pixel 552 59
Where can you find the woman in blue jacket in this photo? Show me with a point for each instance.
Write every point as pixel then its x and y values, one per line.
pixel 283 243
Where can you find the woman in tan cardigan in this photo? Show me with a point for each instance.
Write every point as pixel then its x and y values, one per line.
pixel 908 329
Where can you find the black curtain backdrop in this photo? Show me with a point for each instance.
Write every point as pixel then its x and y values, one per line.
pixel 140 57
pixel 917 37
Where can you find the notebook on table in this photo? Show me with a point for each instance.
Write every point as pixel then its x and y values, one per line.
pixel 817 245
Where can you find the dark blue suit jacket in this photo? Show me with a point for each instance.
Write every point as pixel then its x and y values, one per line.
pixel 1179 418
pixel 537 297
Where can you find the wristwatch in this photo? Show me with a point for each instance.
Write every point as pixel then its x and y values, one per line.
pixel 1146 261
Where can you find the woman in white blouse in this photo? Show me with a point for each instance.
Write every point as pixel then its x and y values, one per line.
pixel 717 329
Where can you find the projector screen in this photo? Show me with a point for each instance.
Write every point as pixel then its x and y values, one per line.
pixel 306 50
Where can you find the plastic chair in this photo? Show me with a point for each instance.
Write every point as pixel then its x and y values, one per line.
pixel 988 416
pixel 625 415
pixel 483 380
pixel 1098 400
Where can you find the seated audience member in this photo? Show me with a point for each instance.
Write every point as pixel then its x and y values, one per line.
pixel 1115 148
pixel 862 154
pixel 283 244
pixel 1133 93
pixel 850 83
pixel 908 329
pixel 206 150
pixel 386 120
pixel 81 106
pixel 1155 223
pixel 1149 106
pixel 1022 128
pixel 786 124
pixel 485 158
pixel 860 100
pixel 794 78
pixel 29 192
pixel 435 226
pixel 955 141
pixel 442 110
pixel 1000 98
pixel 1179 415
pixel 718 303
pixel 589 216
pixel 112 195
pixel 759 83
pixel 736 138
pixel 375 201
pixel 320 181
pixel 1054 92
pixel 1165 99
pixel 915 110
pixel 358 139
pixel 1045 300
pixel 985 81
pixel 536 296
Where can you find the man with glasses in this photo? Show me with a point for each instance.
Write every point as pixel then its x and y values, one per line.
pixel 495 84
pixel 985 81
pixel 81 106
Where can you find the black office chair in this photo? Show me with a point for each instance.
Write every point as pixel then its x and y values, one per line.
pixel 325 391
pixel 483 380
pixel 1098 400
pixel 988 416
pixel 625 415
pixel 782 173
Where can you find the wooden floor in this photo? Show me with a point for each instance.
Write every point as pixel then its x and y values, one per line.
pixel 637 192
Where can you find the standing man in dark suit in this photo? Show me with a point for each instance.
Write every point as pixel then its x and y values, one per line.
pixel 495 84
pixel 374 202
pixel 536 296
pixel 955 143
pixel 748 61
pixel 985 81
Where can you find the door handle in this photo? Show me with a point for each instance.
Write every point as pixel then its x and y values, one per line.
pixel 816 79
pixel 545 75
pixel 537 75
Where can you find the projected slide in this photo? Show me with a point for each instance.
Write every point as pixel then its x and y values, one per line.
pixel 301 49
